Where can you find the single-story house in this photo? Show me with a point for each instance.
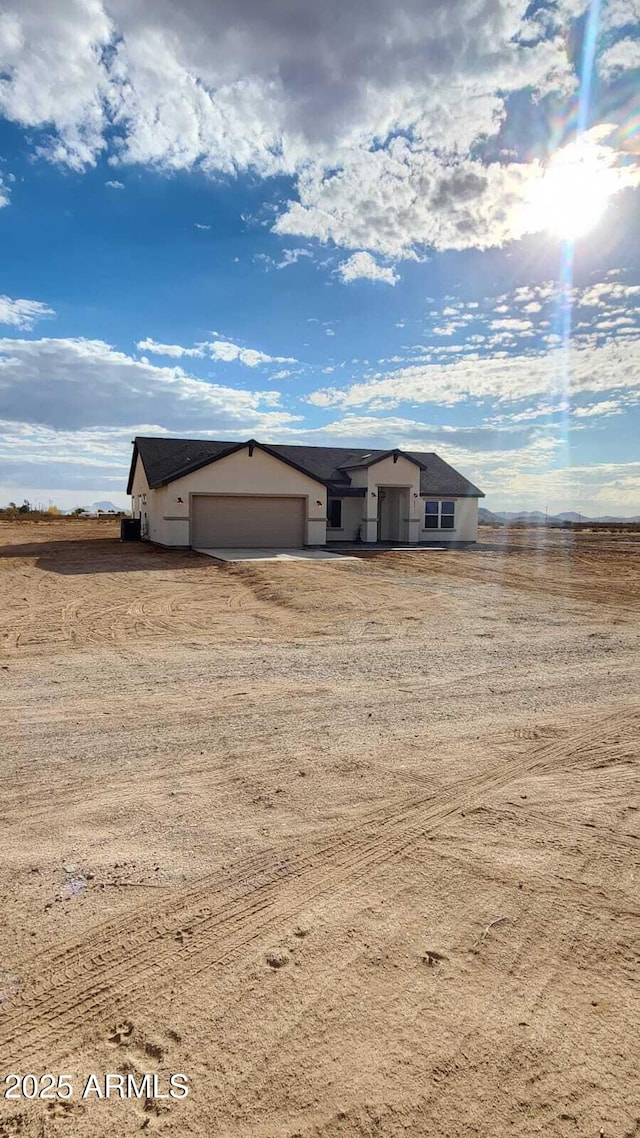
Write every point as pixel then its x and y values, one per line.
pixel 205 494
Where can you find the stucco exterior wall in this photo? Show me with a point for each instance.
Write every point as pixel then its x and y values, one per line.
pixel 359 476
pixel 238 473
pixel 352 515
pixel 466 522
pixel 139 484
pixel 390 473
pixel 159 528
pixel 399 473
pixel 143 505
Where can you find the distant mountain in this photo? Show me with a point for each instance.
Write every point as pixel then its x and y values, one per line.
pixel 104 507
pixel 490 518
pixel 485 517
pixel 536 517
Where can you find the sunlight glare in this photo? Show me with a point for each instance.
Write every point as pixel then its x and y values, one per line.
pixel 572 194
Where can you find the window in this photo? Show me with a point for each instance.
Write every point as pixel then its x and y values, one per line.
pixel 334 513
pixel 447 515
pixel 439 515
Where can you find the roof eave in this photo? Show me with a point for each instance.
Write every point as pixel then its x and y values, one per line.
pixel 475 493
pixel 132 468
pixel 338 490
pixel 192 467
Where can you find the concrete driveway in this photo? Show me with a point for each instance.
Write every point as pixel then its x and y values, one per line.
pixel 274 555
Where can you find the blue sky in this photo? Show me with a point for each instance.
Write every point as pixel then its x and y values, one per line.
pixel 402 225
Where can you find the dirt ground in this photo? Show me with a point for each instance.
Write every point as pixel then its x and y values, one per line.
pixel 354 846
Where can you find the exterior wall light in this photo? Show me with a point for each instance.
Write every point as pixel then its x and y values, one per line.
pixel 178 499
pixel 318 503
pixel 373 493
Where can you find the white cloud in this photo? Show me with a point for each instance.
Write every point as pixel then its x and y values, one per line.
pixel 621 56
pixel 22 313
pixel 291 257
pixel 612 366
pixel 176 351
pixel 90 457
pixel 389 200
pixel 362 266
pixel 316 92
pixel 201 225
pixel 564 406
pixel 392 199
pixel 367 430
pixel 511 324
pixel 604 408
pixel 114 185
pixel 53 72
pixel 602 306
pixel 596 490
pixel 74 384
pixel 542 410
pixel 227 351
pixel 601 294
pixel 254 84
pixel 620 13
pixel 222 350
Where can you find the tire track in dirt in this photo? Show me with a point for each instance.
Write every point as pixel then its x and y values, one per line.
pixel 583 581
pixel 81 984
pixel 589 896
pixel 253 1082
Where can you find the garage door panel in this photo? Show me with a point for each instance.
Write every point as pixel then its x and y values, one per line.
pixel 242 521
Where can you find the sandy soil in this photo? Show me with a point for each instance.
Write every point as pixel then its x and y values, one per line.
pixel 353 845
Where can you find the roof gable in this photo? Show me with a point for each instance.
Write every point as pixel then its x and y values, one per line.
pixel 166 463
pixel 166 459
pixel 372 457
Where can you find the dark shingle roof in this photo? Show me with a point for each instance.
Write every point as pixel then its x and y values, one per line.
pixel 165 459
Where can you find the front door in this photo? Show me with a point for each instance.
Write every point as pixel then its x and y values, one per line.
pixel 389 513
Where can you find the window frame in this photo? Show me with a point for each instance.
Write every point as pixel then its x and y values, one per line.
pixel 437 516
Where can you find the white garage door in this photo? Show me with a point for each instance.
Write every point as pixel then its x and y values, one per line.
pixel 236 521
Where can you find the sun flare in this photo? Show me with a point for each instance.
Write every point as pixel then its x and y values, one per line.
pixel 573 192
